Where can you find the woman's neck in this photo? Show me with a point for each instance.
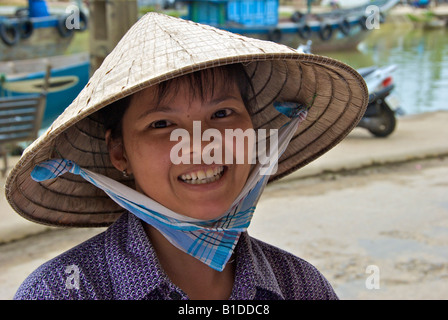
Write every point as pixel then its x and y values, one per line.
pixel 195 278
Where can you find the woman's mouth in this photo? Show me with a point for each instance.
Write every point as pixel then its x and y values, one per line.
pixel 203 176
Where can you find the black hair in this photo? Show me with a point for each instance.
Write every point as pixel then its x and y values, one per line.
pixel 202 84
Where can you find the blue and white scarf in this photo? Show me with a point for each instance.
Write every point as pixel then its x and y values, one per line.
pixel 210 241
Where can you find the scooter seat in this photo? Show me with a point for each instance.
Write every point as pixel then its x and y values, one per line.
pixel 364 72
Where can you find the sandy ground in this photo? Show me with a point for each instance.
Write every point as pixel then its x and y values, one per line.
pixel 394 218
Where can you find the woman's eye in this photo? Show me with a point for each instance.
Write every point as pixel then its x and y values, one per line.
pixel 222 113
pixel 160 124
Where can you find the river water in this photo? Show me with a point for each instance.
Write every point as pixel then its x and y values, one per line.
pixel 421 57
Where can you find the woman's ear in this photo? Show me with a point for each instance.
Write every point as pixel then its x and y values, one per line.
pixel 117 153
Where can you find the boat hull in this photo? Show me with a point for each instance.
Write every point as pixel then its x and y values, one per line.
pixel 69 75
pixel 46 38
pixel 288 34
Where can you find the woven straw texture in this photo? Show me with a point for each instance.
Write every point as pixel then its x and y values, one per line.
pixel 158 48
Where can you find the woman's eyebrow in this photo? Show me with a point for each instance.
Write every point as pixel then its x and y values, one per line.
pixel 168 109
pixel 157 109
pixel 220 99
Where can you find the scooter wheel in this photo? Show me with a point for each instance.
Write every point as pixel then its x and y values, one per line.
pixel 386 122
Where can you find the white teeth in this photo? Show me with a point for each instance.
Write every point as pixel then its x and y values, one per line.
pixel 201 174
pixel 200 177
pixel 209 173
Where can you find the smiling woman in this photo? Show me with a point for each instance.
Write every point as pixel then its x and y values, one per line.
pixel 145 148
pixel 179 230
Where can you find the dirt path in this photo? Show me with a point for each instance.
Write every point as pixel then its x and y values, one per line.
pixel 394 218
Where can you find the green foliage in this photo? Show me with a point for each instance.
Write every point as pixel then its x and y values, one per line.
pixel 145 9
pixel 425 17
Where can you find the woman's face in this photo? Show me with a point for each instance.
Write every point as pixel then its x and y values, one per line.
pixel 202 191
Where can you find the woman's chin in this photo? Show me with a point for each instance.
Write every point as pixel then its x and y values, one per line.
pixel 206 212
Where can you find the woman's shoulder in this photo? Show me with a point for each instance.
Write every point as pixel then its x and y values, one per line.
pixel 297 278
pixel 74 274
pixel 276 254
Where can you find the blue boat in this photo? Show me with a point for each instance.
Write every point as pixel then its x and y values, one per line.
pixel 69 74
pixel 333 30
pixel 34 32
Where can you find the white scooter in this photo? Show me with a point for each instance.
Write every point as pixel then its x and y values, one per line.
pixel 380 116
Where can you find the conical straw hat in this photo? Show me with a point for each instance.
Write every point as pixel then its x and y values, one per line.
pixel 158 48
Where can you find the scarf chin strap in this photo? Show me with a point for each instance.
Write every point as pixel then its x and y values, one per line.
pixel 210 241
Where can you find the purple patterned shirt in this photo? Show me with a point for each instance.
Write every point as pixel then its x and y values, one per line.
pixel 121 263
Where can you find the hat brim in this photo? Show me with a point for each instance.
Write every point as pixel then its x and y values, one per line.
pixel 337 92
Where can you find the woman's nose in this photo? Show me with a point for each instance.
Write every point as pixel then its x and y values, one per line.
pixel 205 143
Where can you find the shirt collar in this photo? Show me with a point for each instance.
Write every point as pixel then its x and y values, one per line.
pixel 136 272
pixel 253 272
